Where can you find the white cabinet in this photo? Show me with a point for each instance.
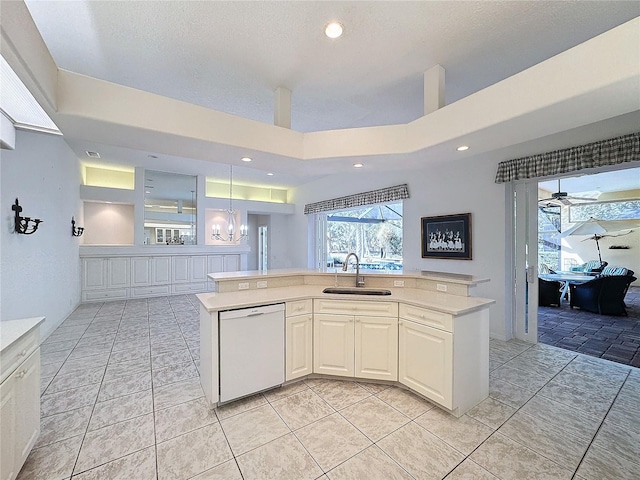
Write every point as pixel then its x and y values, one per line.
pixel 376 348
pixel 19 403
pixel 426 361
pixel 94 274
pixel 150 276
pixel 215 263
pixel 363 344
pixel 333 344
pixel 198 268
pixel 120 277
pixel 179 269
pixel 189 274
pixel 118 272
pixel 105 278
pixel 27 388
pixel 141 271
pixel 445 359
pixel 231 263
pixel 160 270
pixel 299 339
pixel 8 415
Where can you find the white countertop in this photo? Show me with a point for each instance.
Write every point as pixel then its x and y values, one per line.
pixel 441 302
pixel 287 272
pixel 12 330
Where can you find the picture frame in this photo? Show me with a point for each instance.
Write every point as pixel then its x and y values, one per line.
pixel 447 236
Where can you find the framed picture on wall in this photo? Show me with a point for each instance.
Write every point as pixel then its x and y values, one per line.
pixel 447 236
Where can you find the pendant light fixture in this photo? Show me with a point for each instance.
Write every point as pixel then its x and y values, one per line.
pixel 229 232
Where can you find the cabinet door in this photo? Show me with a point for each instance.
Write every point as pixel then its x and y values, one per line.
pixel 198 269
pixel 8 467
pixel 140 271
pixel 118 272
pixel 27 388
pixel 299 346
pixel 376 348
pixel 333 345
pixel 180 269
pixel 231 263
pixel 94 274
pixel 160 270
pixel 215 263
pixel 425 361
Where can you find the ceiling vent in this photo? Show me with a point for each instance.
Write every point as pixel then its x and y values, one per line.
pixel 91 154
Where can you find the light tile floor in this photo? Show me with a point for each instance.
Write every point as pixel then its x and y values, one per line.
pixel 122 399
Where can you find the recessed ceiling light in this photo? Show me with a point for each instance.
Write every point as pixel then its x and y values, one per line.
pixel 246 159
pixel 333 30
pixel 147 191
pixel 91 154
pixel 270 174
pixel 358 165
pixel 152 156
pixel 462 148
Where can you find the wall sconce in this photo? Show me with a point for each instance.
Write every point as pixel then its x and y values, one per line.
pixel 23 224
pixel 76 231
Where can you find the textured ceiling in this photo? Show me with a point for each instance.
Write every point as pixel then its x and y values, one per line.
pixel 231 56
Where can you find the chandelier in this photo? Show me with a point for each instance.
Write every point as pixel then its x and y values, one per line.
pixel 229 232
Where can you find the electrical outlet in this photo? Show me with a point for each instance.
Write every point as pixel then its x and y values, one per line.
pixel 398 283
pixel 262 284
pixel 243 286
pixel 441 287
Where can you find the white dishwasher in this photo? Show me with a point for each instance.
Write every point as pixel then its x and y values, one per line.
pixel 251 350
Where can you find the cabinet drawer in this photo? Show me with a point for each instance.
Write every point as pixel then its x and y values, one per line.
pixel 189 288
pixel 106 294
pixel 299 307
pixel 350 307
pixel 145 291
pixel 17 352
pixel 443 321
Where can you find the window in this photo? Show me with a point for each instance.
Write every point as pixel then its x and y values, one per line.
pixel 549 221
pixel 614 210
pixel 373 232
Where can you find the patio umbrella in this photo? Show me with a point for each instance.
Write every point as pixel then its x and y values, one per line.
pixel 598 229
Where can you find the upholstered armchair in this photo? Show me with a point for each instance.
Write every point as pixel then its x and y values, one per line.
pixel 548 293
pixel 603 295
pixel 590 267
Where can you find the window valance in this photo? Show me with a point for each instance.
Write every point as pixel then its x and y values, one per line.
pixel 597 154
pixel 383 195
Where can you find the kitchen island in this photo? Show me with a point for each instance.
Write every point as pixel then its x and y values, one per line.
pixel 428 335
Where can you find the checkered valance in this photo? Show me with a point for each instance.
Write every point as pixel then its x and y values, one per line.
pixel 382 195
pixel 605 152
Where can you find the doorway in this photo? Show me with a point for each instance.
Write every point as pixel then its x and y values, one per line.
pixel 543 213
pixel 263 255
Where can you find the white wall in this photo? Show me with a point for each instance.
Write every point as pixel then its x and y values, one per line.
pixel 584 250
pixel 40 272
pixel 440 189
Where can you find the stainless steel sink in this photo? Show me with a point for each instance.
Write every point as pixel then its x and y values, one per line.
pixel 356 291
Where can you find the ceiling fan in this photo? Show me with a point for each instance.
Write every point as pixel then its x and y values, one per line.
pixel 563 198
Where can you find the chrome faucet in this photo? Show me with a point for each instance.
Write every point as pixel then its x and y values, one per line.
pixel 345 265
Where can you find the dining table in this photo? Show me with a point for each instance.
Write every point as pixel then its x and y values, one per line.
pixel 567 278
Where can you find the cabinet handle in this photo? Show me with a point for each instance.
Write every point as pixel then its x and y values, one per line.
pixel 351 320
pixel 23 353
pixel 21 374
pixel 399 322
pixel 357 320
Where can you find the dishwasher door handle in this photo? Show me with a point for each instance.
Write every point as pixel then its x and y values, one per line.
pixel 255 314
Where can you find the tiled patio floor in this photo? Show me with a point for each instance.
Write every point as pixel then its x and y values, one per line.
pixel 612 338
